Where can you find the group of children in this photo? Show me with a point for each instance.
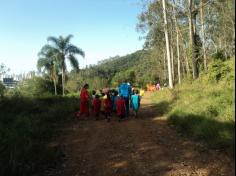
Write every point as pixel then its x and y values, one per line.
pixel 107 103
pixel 111 102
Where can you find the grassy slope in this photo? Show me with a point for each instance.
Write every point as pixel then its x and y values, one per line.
pixel 27 125
pixel 204 109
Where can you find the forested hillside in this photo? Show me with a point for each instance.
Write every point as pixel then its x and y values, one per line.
pixel 139 68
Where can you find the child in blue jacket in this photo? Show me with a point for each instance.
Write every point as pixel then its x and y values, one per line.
pixel 135 102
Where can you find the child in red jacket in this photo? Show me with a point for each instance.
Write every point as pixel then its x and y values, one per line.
pixel 107 107
pixel 120 107
pixel 84 101
pixel 96 106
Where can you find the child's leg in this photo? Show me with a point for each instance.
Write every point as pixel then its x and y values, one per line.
pixel 80 114
pixel 135 113
pixel 96 115
pixel 107 116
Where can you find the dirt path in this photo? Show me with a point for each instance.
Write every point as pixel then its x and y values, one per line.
pixel 146 146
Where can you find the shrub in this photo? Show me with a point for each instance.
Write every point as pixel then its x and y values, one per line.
pixel 221 71
pixel 204 109
pixel 27 125
pixel 2 90
pixel 36 87
pixel 219 55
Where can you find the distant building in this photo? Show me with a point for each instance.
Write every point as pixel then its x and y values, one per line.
pixel 9 82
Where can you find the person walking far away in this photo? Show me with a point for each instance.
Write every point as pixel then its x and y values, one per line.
pixel 125 92
pixel 141 92
pixel 84 101
pixel 158 86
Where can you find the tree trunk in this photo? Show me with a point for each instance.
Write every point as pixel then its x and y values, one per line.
pixel 172 62
pixel 63 80
pixel 185 56
pixel 55 86
pixel 177 47
pixel 191 40
pixel 187 65
pixel 167 45
pixel 172 53
pixel 183 69
pixel 164 58
pixel 203 36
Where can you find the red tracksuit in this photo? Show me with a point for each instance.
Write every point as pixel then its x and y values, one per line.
pixel 120 107
pixel 107 105
pixel 96 106
pixel 84 102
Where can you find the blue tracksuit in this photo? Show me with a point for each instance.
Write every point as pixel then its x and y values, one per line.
pixel 125 91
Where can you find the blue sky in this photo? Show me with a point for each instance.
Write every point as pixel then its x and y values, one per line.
pixel 102 28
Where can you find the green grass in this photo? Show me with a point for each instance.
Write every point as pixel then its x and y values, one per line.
pixel 203 109
pixel 27 125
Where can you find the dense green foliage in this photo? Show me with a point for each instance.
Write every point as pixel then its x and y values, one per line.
pixel 35 87
pixel 139 68
pixel 204 108
pixel 27 125
pixel 197 29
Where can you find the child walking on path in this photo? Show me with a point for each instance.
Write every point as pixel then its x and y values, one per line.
pixel 93 94
pixel 107 107
pixel 113 100
pixel 120 107
pixel 102 98
pixel 135 102
pixel 96 106
pixel 84 101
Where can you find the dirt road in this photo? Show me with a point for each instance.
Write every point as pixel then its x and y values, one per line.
pixel 146 146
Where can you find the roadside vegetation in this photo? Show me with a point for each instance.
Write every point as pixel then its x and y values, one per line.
pixel 29 120
pixel 204 109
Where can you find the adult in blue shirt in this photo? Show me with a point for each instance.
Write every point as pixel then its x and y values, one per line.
pixel 125 91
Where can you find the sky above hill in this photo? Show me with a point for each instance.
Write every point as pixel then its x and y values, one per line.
pixel 102 28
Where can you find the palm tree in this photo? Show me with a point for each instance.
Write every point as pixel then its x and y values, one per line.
pixel 63 50
pixel 48 61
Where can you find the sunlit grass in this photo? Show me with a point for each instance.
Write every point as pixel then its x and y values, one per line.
pixel 202 109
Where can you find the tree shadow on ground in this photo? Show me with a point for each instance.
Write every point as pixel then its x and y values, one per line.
pixel 166 153
pixel 217 134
